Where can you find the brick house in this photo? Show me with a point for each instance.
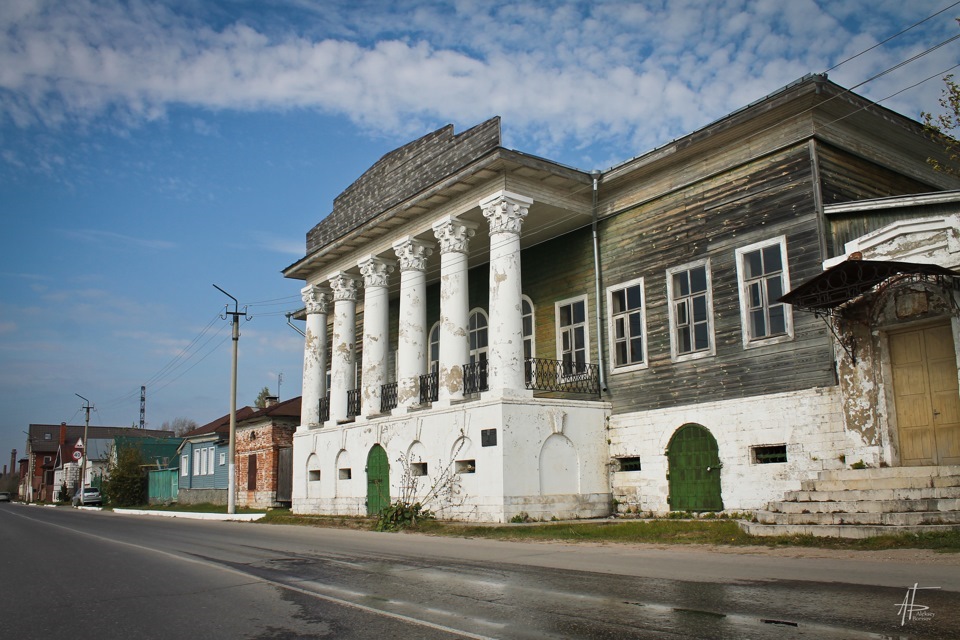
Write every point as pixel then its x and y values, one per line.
pixel 566 342
pixel 264 454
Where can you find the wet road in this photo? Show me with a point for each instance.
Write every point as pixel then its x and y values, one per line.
pixel 114 576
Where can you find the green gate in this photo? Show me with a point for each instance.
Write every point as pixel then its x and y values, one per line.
pixel 694 470
pixel 378 481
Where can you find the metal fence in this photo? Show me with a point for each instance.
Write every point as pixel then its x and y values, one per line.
pixel 475 377
pixel 353 403
pixel 562 377
pixel 388 397
pixel 429 388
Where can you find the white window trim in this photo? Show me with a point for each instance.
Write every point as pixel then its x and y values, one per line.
pixel 486 318
pixel 741 286
pixel 184 465
pixel 533 325
pixel 675 354
pixel 586 331
pixel 611 333
pixel 431 363
pixel 223 458
pixel 196 461
pixel 211 458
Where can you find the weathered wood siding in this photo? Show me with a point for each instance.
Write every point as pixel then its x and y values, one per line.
pixel 845 177
pixel 764 199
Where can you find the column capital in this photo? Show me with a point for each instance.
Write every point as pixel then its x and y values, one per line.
pixel 412 254
pixel 344 286
pixel 505 211
pixel 376 271
pixel 315 298
pixel 454 234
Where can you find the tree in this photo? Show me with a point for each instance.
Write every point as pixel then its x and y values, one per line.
pixel 261 401
pixel 940 127
pixel 126 481
pixel 179 426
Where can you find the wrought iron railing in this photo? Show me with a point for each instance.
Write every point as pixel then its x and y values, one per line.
pixel 475 377
pixel 564 377
pixel 324 409
pixel 429 387
pixel 388 397
pixel 353 403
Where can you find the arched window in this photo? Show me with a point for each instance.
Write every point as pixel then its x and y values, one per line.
pixel 478 336
pixel 529 341
pixel 434 348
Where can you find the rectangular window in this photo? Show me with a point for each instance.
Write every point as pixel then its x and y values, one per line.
pixel 345 474
pixel 627 325
pixel 466 466
pixel 223 458
pixel 769 454
pixel 197 461
pixel 313 475
pixel 252 472
pixel 184 465
pixel 418 469
pixel 763 276
pixel 629 464
pixel 211 456
pixel 572 337
pixel 691 311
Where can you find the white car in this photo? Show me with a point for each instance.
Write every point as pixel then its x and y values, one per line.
pixel 87 496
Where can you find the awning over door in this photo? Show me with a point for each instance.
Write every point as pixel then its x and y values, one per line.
pixel 852 278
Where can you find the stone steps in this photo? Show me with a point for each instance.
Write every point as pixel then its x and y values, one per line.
pixel 859 503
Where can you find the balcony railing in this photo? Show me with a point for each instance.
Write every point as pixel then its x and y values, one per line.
pixel 475 377
pixel 388 397
pixel 353 403
pixel 429 388
pixel 562 377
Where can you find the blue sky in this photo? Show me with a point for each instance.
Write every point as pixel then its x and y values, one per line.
pixel 151 149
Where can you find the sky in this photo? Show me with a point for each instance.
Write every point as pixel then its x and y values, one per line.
pixel 149 150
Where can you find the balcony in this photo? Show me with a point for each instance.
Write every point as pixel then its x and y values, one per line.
pixel 388 397
pixel 558 376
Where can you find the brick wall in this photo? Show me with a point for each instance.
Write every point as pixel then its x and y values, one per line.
pixel 264 442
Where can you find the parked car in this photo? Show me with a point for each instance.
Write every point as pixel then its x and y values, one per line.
pixel 4 496
pixel 88 496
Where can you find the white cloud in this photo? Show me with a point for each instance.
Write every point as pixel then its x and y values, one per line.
pixel 558 73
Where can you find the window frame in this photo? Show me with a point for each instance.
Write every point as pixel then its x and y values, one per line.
pixel 479 354
pixel 558 333
pixel 185 465
pixel 611 327
pixel 197 457
pixel 211 459
pixel 711 349
pixel 433 365
pixel 748 341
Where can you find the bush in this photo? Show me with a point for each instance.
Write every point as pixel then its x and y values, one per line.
pixel 401 515
pixel 126 482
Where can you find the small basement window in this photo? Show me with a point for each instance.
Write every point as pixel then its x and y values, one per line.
pixel 418 468
pixel 629 464
pixel 313 475
pixel 769 454
pixel 345 473
pixel 466 466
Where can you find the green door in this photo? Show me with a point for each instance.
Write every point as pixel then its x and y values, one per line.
pixel 378 481
pixel 694 470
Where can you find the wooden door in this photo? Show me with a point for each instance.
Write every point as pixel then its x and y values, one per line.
pixel 694 470
pixel 378 481
pixel 926 396
pixel 285 474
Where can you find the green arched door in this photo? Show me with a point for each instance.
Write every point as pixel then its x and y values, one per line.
pixel 694 470
pixel 378 480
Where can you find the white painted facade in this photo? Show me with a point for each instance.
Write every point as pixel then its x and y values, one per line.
pixel 808 422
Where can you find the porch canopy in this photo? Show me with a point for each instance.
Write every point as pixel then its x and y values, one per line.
pixel 852 278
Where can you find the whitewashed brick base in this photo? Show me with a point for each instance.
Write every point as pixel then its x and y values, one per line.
pixel 808 422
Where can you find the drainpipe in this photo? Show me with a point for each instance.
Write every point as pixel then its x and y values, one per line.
pixel 601 348
pixel 293 326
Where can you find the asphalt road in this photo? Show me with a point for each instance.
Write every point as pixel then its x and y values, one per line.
pixel 103 575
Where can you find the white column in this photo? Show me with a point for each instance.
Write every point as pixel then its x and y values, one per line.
pixel 376 331
pixel 454 237
pixel 342 362
pixel 315 299
pixel 412 348
pixel 505 212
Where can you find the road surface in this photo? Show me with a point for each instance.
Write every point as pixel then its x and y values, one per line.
pixel 104 575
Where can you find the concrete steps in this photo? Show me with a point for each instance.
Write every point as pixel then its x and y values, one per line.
pixel 860 503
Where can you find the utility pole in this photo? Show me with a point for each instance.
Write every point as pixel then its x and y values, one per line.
pixel 232 453
pixel 86 429
pixel 279 380
pixel 143 406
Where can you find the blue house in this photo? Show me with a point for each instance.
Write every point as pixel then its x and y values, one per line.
pixel 204 464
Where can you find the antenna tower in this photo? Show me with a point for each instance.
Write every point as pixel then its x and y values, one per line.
pixel 143 405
